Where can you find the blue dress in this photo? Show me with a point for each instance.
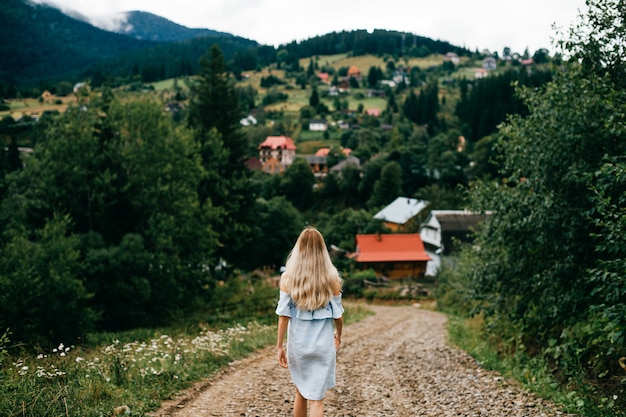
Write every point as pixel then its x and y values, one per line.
pixel 311 351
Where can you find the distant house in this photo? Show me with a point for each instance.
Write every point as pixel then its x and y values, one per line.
pixel 489 63
pixel 354 72
pixel 324 77
pixel 276 153
pixel 326 151
pixel 481 73
pixel 443 230
pixel 318 164
pixel 318 125
pixel 395 256
pixel 373 112
pixel 397 215
pixel 452 57
pixel 250 120
pixel 349 160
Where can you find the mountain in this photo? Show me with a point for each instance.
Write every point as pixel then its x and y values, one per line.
pixel 40 41
pixel 148 26
pixel 41 45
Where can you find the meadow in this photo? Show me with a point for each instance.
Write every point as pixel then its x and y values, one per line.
pixel 131 373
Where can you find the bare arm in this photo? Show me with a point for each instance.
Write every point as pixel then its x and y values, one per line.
pixel 283 321
pixel 338 330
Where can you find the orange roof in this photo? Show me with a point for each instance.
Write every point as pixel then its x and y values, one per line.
pixel 390 248
pixel 276 142
pixel 353 70
pixel 325 151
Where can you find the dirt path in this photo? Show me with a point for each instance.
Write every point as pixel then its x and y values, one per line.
pixel 393 364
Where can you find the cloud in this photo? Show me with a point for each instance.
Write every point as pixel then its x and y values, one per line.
pixel 103 15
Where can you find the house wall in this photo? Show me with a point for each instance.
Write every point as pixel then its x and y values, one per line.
pixel 397 270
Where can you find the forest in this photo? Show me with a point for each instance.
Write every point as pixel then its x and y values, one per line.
pixel 126 216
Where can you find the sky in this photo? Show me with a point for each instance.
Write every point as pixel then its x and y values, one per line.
pixel 476 24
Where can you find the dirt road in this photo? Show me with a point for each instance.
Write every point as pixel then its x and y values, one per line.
pixel 396 363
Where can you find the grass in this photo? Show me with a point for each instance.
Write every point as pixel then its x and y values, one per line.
pixel 533 373
pixel 132 376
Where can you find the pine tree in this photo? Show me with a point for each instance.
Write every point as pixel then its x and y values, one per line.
pixel 214 111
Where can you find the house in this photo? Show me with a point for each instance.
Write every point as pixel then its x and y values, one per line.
pixel 276 153
pixel 443 230
pixel 452 57
pixel 318 164
pixel 489 63
pixel 354 72
pixel 326 151
pixel 395 256
pixel 318 125
pixel 373 112
pixel 397 215
pixel 349 160
pixel 324 77
pixel 249 120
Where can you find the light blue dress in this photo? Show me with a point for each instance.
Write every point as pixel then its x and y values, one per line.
pixel 311 351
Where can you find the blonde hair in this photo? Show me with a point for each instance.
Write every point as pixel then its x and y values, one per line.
pixel 310 276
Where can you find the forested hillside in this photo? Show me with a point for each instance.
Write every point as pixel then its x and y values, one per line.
pixel 40 41
pixel 148 26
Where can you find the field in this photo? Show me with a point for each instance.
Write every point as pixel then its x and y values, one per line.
pixel 34 107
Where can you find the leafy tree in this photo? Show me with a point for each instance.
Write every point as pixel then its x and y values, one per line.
pixel 297 184
pixel 278 224
pixel 547 269
pixel 388 187
pixel 42 296
pixel 127 181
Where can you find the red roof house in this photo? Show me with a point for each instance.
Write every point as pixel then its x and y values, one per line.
pixel 394 256
pixel 277 153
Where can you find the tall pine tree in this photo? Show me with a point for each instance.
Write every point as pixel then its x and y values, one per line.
pixel 214 112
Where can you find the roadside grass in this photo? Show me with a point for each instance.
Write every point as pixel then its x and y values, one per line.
pixel 532 373
pixel 132 373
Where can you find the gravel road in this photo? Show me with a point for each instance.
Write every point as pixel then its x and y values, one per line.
pixel 395 363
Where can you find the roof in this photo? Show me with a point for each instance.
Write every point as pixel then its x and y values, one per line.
pixel 349 160
pixel 458 220
pixel 278 142
pixel 322 152
pixel 401 210
pixel 390 248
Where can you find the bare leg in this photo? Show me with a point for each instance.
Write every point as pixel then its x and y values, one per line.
pixel 299 405
pixel 317 408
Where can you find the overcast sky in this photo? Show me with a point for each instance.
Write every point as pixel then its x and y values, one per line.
pixel 477 24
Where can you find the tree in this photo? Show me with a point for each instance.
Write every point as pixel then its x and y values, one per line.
pixel 545 265
pixel 314 100
pixel 297 184
pixel 125 182
pixel 388 187
pixel 215 112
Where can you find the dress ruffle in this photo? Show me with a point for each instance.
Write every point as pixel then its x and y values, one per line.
pixel 287 307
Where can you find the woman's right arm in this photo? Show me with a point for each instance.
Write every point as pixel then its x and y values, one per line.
pixel 283 321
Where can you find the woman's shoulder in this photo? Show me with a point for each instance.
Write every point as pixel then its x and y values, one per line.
pixel 336 287
pixel 284 281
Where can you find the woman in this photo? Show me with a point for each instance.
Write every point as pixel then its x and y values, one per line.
pixel 309 305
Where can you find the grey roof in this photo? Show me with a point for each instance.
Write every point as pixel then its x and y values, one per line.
pixel 349 160
pixel 458 220
pixel 401 210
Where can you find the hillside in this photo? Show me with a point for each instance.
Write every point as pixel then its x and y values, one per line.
pixel 148 26
pixel 41 41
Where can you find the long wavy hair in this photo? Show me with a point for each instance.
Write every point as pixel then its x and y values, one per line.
pixel 310 275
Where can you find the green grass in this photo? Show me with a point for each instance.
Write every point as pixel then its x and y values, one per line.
pixel 532 373
pixel 138 374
